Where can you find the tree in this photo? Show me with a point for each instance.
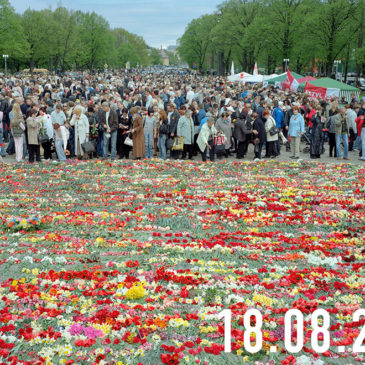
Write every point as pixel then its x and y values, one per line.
pixel 195 41
pixel 12 40
pixel 35 27
pixel 96 39
pixel 127 53
pixel 330 28
pixel 155 57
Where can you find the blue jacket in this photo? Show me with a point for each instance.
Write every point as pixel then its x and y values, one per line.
pixel 278 115
pixel 202 122
pixel 201 114
pixel 296 125
pixel 179 101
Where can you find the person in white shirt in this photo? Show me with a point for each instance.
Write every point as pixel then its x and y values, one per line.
pixel 58 116
pixel 190 95
pixel 61 135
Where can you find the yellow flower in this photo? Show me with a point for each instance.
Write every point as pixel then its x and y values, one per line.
pixel 136 292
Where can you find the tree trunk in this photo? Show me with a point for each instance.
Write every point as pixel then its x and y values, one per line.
pixel 347 62
pixel 360 66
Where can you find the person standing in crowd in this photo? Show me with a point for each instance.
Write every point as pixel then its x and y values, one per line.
pixel 331 127
pixel 149 130
pixel 163 133
pixel 351 117
pixel 58 116
pixel 33 127
pixel 271 137
pixel 139 149
pixel 278 116
pixel 125 124
pixel 360 123
pixel 224 126
pixel 173 119
pixel 206 140
pixel 296 130
pixel 185 129
pixel 93 128
pixel 17 127
pixel 46 124
pixel 317 135
pixel 259 135
pixel 342 132
pixel 240 133
pixel 81 127
pixel 109 122
pixel 61 135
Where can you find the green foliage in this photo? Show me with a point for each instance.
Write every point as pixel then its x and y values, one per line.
pixel 127 53
pixel 195 42
pixel 311 33
pixel 155 57
pixel 64 39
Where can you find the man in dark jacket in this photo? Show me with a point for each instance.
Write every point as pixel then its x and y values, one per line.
pixel 173 119
pixel 260 134
pixel 240 133
pixel 109 122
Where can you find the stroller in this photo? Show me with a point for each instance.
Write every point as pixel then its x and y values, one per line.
pixel 306 137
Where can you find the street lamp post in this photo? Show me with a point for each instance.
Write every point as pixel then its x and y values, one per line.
pixel 337 62
pixel 286 61
pixel 5 56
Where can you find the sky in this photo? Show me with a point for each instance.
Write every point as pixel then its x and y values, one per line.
pixel 159 22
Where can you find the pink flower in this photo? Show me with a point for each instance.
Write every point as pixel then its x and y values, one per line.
pixel 91 333
pixel 76 329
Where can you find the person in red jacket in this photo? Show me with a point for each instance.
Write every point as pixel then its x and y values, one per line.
pixel 360 123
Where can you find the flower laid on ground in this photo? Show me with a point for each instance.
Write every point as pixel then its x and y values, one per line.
pixel 131 263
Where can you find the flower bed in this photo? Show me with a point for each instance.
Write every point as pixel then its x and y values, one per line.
pixel 131 263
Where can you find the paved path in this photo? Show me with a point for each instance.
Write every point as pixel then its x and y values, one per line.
pixel 284 156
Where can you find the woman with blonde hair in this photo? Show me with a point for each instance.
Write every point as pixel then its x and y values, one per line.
pixel 17 127
pixel 81 125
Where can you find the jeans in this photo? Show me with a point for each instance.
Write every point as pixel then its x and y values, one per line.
pixel 161 144
pixel 59 149
pixel 2 149
pixel 363 142
pixel 113 141
pixel 357 143
pixel 100 144
pixel 148 142
pixel 344 139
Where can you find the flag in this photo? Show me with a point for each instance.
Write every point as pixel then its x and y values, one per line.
pixel 293 84
pixel 232 69
pixel 255 70
pixel 320 92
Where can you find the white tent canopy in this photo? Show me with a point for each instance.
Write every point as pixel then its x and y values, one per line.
pixel 251 78
pixel 238 77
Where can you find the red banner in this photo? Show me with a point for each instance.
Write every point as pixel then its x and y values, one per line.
pixel 315 91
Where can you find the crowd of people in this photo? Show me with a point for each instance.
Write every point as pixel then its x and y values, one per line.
pixel 144 115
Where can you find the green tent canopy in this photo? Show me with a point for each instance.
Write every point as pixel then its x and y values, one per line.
pixel 282 78
pixel 345 90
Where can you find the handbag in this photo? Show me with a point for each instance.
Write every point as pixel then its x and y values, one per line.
pixel 88 147
pixel 178 144
pixel 42 136
pixel 273 130
pixel 128 141
pixel 219 147
pixel 169 143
